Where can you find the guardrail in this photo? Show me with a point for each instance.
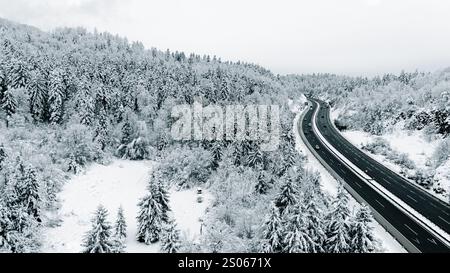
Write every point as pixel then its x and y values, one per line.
pixel 413 214
pixel 378 217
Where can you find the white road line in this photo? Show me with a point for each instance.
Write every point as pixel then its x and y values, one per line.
pixel 379 203
pixel 411 198
pixel 432 240
pixel 358 184
pixel 387 181
pixel 413 231
pixel 443 220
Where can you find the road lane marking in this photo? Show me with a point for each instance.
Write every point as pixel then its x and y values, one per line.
pixel 411 198
pixel 379 203
pixel 358 185
pixel 413 231
pixel 432 240
pixel 444 220
pixel 387 181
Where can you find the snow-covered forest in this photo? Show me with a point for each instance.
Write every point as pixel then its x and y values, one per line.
pixel 71 98
pixel 412 108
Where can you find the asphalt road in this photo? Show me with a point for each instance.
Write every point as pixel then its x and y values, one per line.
pixel 420 237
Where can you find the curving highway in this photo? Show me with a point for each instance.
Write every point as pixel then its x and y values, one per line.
pixel 363 177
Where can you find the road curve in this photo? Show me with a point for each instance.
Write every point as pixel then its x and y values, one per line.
pixel 409 231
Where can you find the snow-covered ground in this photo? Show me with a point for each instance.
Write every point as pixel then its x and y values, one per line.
pixel 414 144
pixel 330 185
pixel 121 183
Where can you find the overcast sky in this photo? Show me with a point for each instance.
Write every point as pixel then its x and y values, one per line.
pixel 358 37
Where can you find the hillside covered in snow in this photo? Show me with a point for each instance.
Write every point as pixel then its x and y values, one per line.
pixel 403 120
pixel 86 129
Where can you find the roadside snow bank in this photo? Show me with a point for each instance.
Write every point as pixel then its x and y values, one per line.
pixel 330 186
pixel 120 183
pixel 418 149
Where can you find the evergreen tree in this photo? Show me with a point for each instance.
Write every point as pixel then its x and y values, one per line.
pixel 291 155
pixel 338 229
pixel 170 238
pixel 98 239
pixel 296 238
pixel 29 193
pixel 85 103
pixel 255 157
pixel 56 96
pixel 17 227
pixel 287 196
pixel 216 152
pixel 264 182
pixel 315 227
pixel 5 224
pixel 3 156
pixel 363 240
pixel 101 130
pixel 3 83
pixel 150 219
pixel 127 131
pixel 157 188
pixel 38 96
pixel 120 229
pixel 9 105
pixel 18 74
pixel 272 232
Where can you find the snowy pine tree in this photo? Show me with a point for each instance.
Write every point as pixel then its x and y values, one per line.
pixel 3 84
pixel 17 227
pixel 362 237
pixel 98 239
pixel 287 196
pixel 29 193
pixel 170 238
pixel 338 229
pixel 38 96
pixel 315 226
pixel 272 234
pixel 9 105
pixel 127 131
pixel 120 229
pixel 56 96
pixel 216 152
pixel 296 237
pixel 150 219
pixel 158 189
pixel 153 213
pixel 255 157
pixel 120 233
pixel 18 74
pixel 264 182
pixel 101 130
pixel 3 156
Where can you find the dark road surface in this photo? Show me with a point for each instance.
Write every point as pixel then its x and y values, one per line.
pixel 433 209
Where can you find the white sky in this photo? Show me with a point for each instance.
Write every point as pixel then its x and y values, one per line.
pixel 358 37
